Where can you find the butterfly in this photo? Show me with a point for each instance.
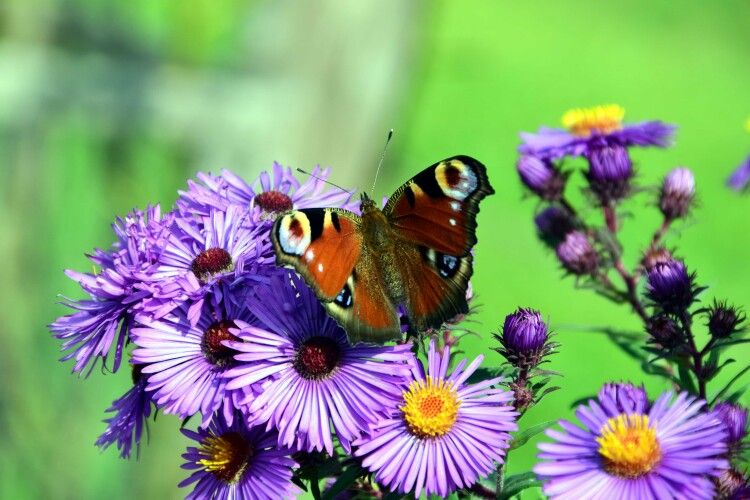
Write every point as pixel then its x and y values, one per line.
pixel 413 256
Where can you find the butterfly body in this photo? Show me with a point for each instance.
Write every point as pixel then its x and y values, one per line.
pixel 411 257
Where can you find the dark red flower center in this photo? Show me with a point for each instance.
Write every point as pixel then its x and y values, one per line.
pixel 317 357
pixel 211 262
pixel 273 202
pixel 216 352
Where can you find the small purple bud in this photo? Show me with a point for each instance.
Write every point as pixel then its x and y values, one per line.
pixel 724 320
pixel 665 332
pixel 541 177
pixel 623 397
pixel 524 338
pixel 734 418
pixel 610 171
pixel 670 286
pixel 677 193
pixel 577 255
pixel 553 224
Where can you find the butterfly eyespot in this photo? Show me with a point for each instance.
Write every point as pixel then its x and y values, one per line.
pixel 293 233
pixel 447 265
pixel 456 180
pixel 344 298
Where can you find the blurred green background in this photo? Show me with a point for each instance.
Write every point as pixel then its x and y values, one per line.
pixel 105 106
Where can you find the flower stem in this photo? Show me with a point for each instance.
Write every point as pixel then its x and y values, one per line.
pixel 695 353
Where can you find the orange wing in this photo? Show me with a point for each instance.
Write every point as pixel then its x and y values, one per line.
pixel 437 208
pixel 322 244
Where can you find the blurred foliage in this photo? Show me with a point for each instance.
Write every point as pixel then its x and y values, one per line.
pixel 108 105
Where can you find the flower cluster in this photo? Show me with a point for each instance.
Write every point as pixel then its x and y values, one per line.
pixel 213 329
pixel 630 447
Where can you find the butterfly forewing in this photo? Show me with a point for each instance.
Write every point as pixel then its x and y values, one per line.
pixel 437 208
pixel 322 244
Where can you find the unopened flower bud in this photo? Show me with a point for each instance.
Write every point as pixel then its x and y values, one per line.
pixel 671 286
pixel 541 177
pixel 577 255
pixel 677 193
pixel 553 224
pixel 610 172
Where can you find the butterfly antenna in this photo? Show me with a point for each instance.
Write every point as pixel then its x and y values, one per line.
pixel 302 171
pixel 382 157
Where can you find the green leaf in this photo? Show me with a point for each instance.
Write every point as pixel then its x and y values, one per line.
pixel 516 483
pixel 345 480
pixel 523 437
pixel 686 379
pixel 729 384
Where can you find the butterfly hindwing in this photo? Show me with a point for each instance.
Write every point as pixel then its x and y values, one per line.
pixel 363 307
pixel 322 244
pixel 437 208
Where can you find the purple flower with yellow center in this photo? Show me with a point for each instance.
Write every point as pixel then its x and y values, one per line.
pixel 313 379
pixel 670 286
pixel 203 251
pixel 597 126
pixel 131 413
pixel 233 461
pixel 677 193
pixel 270 195
pixel 577 255
pixel 184 363
pixel 443 434
pixel 117 292
pixel 673 450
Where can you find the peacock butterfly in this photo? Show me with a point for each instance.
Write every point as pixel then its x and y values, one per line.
pixel 414 253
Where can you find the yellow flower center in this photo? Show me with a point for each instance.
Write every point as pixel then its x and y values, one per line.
pixel 430 407
pixel 226 456
pixel 628 446
pixel 602 119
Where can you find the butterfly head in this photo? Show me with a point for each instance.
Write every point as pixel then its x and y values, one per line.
pixel 367 204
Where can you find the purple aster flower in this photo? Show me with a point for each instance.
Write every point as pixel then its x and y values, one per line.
pixel 734 418
pixel 671 286
pixel 203 251
pixel 677 193
pixel 671 451
pixel 740 178
pixel 626 398
pixel 610 171
pixel 524 338
pixel 232 461
pixel 312 378
pixel 184 363
pixel 541 177
pixel 553 224
pixel 131 414
pixel 271 194
pixel 601 125
pixel 443 434
pixel 117 292
pixel 577 255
